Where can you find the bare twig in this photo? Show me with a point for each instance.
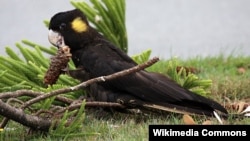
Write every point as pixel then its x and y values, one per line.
pixel 31 93
pixel 4 122
pixel 5 119
pixel 93 104
pixel 91 81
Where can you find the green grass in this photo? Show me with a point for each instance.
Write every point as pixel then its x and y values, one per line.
pixel 228 83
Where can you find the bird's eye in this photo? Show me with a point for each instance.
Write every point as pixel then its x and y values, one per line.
pixel 62 26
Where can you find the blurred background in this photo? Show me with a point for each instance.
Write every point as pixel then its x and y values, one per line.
pixel 180 28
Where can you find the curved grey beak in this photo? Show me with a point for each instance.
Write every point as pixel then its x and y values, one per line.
pixel 56 38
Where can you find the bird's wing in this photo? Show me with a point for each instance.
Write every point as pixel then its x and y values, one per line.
pixel 156 89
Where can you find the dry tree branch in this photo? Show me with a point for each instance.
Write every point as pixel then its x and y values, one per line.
pixel 19 116
pixel 19 93
pixel 91 81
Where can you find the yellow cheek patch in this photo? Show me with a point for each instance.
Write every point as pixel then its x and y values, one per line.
pixel 79 25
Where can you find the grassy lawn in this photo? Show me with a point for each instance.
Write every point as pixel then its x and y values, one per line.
pixel 231 81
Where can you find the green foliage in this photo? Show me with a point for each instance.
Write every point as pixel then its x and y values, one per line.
pixel 188 81
pixel 108 17
pixel 63 129
pixel 142 57
pixel 27 71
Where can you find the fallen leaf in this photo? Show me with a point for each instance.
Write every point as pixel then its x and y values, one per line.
pixel 241 70
pixel 246 112
pixel 188 120
pixel 240 106
pixel 237 106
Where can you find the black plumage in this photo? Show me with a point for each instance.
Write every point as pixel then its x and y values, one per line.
pixel 99 57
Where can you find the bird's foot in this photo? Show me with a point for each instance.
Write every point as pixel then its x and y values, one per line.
pixel 128 101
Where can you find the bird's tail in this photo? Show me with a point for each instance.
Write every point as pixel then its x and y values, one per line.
pixel 166 107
